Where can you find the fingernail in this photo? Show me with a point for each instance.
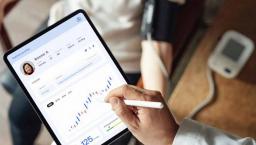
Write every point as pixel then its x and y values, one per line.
pixel 114 101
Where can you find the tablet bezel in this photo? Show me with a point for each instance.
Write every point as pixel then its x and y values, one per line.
pixel 31 101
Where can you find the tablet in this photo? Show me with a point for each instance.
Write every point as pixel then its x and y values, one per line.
pixel 63 70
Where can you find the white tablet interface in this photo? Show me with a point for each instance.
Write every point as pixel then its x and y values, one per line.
pixel 63 70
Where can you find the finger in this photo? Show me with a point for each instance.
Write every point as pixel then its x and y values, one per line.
pixel 117 92
pixel 147 92
pixel 142 94
pixel 125 91
pixel 124 113
pixel 134 93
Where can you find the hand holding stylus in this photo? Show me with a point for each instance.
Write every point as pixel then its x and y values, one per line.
pixel 137 103
pixel 145 123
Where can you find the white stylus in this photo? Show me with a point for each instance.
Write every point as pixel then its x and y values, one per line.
pixel 147 104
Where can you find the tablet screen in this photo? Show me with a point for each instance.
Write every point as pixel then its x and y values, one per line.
pixel 64 70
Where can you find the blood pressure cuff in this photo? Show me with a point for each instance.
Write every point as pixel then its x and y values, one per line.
pixel 164 20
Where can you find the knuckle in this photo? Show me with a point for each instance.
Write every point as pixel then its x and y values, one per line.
pixel 125 89
pixel 157 93
pixel 114 109
pixel 148 98
pixel 120 112
pixel 155 96
pixel 133 129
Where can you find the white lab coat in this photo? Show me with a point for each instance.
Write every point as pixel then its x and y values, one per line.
pixel 194 133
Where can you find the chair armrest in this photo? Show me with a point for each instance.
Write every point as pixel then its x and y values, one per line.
pixel 5 7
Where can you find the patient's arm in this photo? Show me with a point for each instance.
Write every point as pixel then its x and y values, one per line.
pixel 152 76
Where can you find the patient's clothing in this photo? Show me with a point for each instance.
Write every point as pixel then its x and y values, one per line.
pixel 119 22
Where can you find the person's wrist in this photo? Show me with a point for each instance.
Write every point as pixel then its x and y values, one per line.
pixel 174 132
pixel 168 139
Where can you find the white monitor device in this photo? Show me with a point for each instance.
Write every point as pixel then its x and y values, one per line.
pixel 231 54
pixel 61 70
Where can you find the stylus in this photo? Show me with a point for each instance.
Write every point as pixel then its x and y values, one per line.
pixel 147 104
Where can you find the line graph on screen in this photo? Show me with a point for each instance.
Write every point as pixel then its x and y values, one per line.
pixel 89 100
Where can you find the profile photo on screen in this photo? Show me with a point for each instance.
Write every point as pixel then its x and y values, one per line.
pixel 27 68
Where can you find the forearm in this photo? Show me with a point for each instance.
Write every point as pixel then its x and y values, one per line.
pixel 152 75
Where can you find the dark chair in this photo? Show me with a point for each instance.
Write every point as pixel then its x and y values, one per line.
pixel 6 7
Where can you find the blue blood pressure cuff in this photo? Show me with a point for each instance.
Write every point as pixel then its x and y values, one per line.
pixel 159 20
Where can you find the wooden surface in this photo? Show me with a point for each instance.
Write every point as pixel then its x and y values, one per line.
pixel 234 109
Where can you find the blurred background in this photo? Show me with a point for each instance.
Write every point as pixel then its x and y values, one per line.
pixel 200 25
pixel 21 22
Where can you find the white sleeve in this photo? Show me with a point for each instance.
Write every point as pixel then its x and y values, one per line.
pixel 181 2
pixel 194 133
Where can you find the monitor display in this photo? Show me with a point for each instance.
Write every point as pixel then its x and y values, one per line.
pixel 233 50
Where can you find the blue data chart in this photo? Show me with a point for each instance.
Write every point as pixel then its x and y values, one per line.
pixel 88 101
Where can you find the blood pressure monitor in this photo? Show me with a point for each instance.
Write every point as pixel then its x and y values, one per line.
pixel 231 54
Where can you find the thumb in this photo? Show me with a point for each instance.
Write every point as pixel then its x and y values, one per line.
pixel 124 113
